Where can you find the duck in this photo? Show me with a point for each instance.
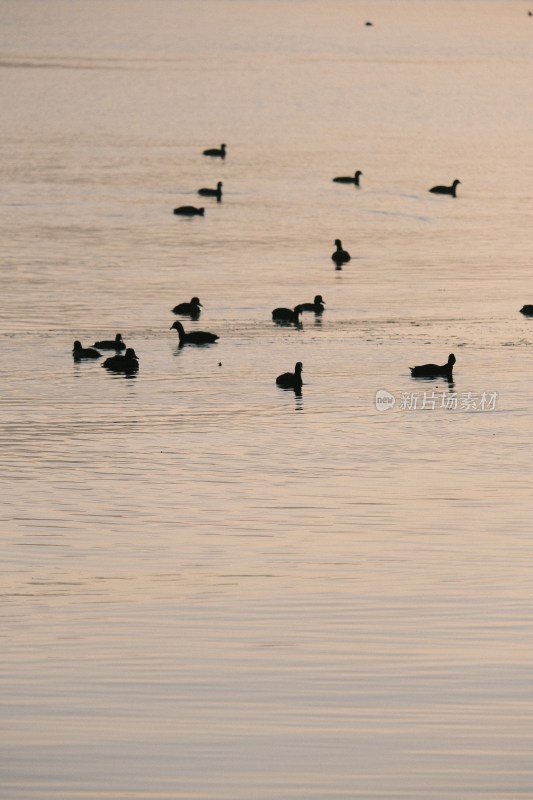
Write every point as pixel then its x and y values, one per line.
pixel 111 344
pixel 348 179
pixel 527 311
pixel 291 380
pixel 191 309
pixel 212 192
pixel 287 314
pixel 189 211
pixel 218 152
pixel 193 337
pixel 340 256
pixel 451 190
pixel 127 363
pixel 84 352
pixel 317 305
pixel 434 370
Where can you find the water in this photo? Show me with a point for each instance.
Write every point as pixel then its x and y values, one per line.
pixel 212 588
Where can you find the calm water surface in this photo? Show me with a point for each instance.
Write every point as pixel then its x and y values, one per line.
pixel 213 588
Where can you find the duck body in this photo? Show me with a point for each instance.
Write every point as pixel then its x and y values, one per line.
pixel 127 363
pixel 80 352
pixel 111 344
pixel 451 190
pixel 340 256
pixel 348 179
pixel 192 309
pixel 291 380
pixel 216 152
pixel 193 337
pixel 287 314
pixel 189 211
pixel 434 370
pixel 212 192
pixel 317 305
pixel 527 311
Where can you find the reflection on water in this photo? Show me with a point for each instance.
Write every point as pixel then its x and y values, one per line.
pixel 205 594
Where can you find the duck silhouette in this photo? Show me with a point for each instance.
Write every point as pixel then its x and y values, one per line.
pixel 111 344
pixel 127 363
pixel 291 380
pixel 212 192
pixel 340 256
pixel 317 305
pixel 348 179
pixel 434 370
pixel 189 211
pixel 192 309
pixel 80 352
pixel 193 337
pixel 217 152
pixel 451 190
pixel 287 314
pixel 527 311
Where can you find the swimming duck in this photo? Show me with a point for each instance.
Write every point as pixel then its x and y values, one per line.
pixel 446 189
pixel 84 352
pixel 111 344
pixel 348 179
pixel 317 305
pixel 212 192
pixel 191 309
pixel 127 363
pixel 189 211
pixel 434 370
pixel 287 314
pixel 193 337
pixel 215 151
pixel 527 311
pixel 291 380
pixel 340 256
